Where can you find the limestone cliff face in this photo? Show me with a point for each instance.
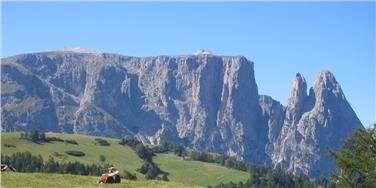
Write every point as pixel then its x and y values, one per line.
pixel 273 117
pixel 203 101
pixel 312 124
pixel 24 95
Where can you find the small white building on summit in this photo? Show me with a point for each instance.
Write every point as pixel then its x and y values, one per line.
pixel 78 50
pixel 204 52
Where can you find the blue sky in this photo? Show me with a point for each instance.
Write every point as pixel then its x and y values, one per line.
pixel 282 38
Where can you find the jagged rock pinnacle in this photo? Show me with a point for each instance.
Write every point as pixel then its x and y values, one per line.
pixel 299 91
pixel 326 81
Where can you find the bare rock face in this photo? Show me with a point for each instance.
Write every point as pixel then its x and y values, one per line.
pixel 25 96
pixel 204 101
pixel 312 124
pixel 273 117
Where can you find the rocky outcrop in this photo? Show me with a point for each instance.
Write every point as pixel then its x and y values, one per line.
pixel 273 114
pixel 204 101
pixel 24 96
pixel 313 124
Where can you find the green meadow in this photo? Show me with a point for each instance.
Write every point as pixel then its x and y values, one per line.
pixel 42 180
pixel 182 173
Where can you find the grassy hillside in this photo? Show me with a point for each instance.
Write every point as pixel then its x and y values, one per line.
pixel 196 172
pixel 123 157
pixel 41 180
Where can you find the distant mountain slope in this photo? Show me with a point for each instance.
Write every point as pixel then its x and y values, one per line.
pixel 203 101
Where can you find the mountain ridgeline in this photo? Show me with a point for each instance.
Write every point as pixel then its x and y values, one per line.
pixel 204 101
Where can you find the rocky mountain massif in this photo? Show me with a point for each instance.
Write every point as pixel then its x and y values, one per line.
pixel 203 101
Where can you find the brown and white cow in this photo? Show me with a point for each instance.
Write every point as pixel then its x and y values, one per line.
pixel 111 177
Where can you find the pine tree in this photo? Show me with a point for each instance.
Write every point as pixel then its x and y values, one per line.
pixel 356 160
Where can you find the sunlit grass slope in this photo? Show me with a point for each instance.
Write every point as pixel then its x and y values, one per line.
pixel 124 158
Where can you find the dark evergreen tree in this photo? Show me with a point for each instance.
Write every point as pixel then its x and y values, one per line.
pixel 143 152
pixel 356 160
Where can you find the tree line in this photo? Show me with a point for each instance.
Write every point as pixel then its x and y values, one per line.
pixel 26 162
pixel 262 177
pixel 150 169
pixel 34 136
pixel 40 137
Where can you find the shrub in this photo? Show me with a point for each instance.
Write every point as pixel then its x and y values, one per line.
pixel 144 152
pixel 102 142
pixel 129 141
pixel 71 142
pixel 151 170
pixel 75 153
pixel 54 139
pixel 129 176
pixel 102 158
pixel 164 177
pixel 9 146
pixel 167 146
pixel 34 136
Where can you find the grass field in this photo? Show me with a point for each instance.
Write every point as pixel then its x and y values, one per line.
pixel 200 173
pixel 41 180
pixel 122 157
